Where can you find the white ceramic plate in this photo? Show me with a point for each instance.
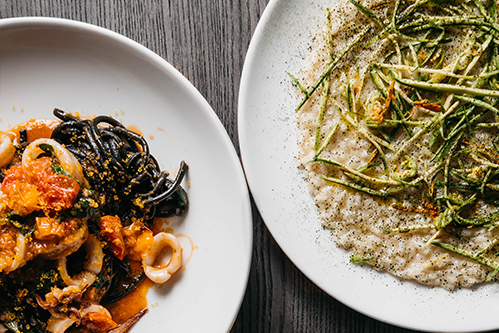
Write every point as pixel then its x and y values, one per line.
pixel 47 63
pixel 268 148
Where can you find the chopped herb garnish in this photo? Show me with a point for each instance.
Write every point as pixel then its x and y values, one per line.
pixel 48 149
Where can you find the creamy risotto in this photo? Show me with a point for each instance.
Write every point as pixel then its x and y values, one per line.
pixel 397 132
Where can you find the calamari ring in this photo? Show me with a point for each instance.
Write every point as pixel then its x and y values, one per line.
pixel 59 324
pixel 92 266
pixel 163 272
pixel 68 161
pixel 20 253
pixel 95 255
pixel 7 150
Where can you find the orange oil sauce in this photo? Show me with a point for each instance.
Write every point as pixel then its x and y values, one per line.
pixel 162 225
pixel 135 129
pixel 131 304
pixel 186 260
pixel 128 306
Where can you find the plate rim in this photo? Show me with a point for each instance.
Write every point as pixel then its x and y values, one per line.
pixel 252 50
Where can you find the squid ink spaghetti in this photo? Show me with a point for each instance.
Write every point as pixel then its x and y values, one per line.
pixel 77 202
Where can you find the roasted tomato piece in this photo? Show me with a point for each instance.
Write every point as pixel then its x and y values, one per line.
pixel 112 229
pixel 40 187
pixel 17 193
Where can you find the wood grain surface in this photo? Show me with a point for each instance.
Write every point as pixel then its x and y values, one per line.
pixel 206 40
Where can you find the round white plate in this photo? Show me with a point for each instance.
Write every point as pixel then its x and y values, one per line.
pixel 47 63
pixel 268 148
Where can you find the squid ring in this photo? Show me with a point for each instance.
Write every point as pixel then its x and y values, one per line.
pixel 162 272
pixel 68 161
pixel 59 325
pixel 20 253
pixel 95 255
pixel 92 266
pixel 7 150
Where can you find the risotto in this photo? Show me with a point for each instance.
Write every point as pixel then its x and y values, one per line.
pixel 397 133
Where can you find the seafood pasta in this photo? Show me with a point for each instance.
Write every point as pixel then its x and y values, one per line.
pixel 77 202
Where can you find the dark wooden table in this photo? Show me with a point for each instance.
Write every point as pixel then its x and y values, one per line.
pixel 207 40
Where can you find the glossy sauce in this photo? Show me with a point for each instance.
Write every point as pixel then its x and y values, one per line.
pixel 135 129
pixel 128 306
pixel 131 304
pixel 185 261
